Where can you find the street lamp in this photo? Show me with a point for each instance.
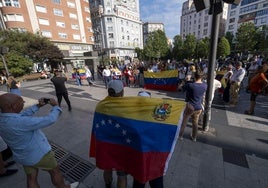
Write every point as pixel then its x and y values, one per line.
pixel 4 50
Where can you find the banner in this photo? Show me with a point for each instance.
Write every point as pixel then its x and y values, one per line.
pixel 136 135
pixel 163 80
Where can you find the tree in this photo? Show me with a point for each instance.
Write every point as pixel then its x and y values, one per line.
pixel 177 49
pixel 246 37
pixel 140 53
pixel 223 48
pixel 34 47
pixel 17 64
pixel 262 39
pixel 189 46
pixel 202 48
pixel 230 37
pixel 156 45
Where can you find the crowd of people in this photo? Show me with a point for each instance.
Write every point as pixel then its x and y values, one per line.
pixel 28 145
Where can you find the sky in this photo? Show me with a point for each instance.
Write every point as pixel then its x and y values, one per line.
pixel 167 12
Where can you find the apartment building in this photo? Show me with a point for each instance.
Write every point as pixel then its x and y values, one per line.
pixel 199 23
pixel 67 23
pixel 255 11
pixel 117 28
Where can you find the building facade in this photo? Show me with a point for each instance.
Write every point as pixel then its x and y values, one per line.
pixel 149 27
pixel 117 28
pixel 255 11
pixel 67 23
pixel 199 23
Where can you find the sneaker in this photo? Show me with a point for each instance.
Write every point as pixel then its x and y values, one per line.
pixel 193 139
pixel 74 184
pixel 180 138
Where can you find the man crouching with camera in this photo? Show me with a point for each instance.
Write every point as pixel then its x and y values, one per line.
pixel 22 133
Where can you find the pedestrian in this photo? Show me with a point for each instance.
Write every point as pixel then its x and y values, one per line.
pixel 115 89
pixel 194 95
pixel 226 77
pixel 106 74
pixel 236 81
pixel 61 91
pixel 88 76
pixel 78 77
pixel 14 85
pixel 256 84
pixel 134 135
pixel 5 153
pixel 157 182
pixel 22 133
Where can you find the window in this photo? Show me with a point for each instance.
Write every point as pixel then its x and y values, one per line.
pixel 232 20
pixel 14 17
pixel 87 9
pixel 111 43
pixel 71 5
pixel 205 32
pixel 40 9
pixel 109 20
pixel 232 13
pixel 62 35
pixel 231 27
pixel 58 12
pixel 60 24
pixel 110 28
pixel 73 16
pixel 75 26
pixel 76 37
pixel 111 35
pixel 46 34
pixel 11 3
pixel 43 21
pixel 56 1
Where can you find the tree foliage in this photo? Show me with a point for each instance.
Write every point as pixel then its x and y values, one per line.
pixel 177 48
pixel 223 48
pixel 156 45
pixel 202 48
pixel 230 37
pixel 246 37
pixel 26 48
pixel 189 46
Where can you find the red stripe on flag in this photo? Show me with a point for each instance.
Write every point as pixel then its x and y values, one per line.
pixel 142 166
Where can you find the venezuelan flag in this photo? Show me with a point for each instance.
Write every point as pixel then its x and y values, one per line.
pixel 164 80
pixel 136 135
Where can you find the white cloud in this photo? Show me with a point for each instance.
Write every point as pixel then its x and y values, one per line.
pixel 166 12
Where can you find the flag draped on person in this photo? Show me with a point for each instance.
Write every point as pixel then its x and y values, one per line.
pixel 136 135
pixel 163 80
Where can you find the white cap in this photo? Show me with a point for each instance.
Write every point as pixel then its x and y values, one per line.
pixel 116 85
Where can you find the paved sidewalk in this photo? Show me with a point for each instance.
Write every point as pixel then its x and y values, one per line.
pixel 232 154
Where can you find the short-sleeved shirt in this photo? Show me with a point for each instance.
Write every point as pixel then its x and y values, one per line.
pixel 194 94
pixel 59 83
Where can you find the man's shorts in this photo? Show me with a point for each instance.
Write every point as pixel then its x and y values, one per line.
pixel 48 162
pixel 121 173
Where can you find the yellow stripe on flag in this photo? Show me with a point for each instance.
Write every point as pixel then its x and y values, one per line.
pixel 165 111
pixel 162 74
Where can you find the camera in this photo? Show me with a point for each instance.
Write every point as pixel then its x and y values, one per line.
pixel 46 100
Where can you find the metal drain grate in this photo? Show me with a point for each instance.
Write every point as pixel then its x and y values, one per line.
pixel 72 167
pixel 235 157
